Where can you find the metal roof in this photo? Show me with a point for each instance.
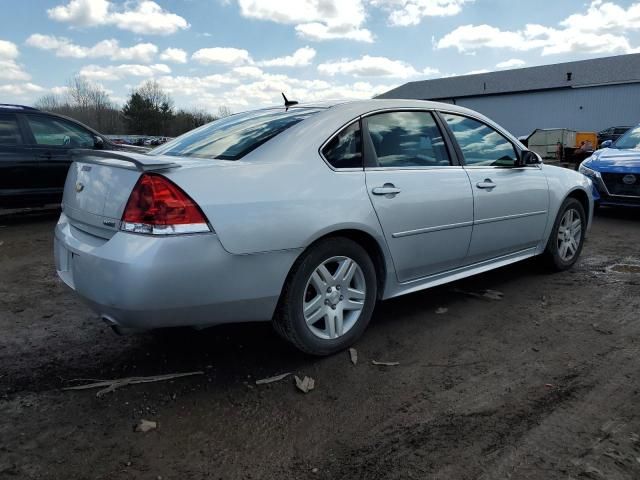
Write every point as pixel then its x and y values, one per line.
pixel 584 73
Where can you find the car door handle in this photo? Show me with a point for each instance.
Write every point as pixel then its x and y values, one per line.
pixel 486 185
pixel 386 189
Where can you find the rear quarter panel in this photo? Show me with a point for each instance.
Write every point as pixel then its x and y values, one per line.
pixel 282 195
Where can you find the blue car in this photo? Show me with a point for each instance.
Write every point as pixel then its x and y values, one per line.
pixel 615 171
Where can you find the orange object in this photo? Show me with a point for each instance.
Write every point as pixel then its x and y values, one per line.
pixel 587 137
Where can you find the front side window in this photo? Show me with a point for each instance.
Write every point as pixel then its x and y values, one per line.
pixel 58 132
pixel 233 137
pixel 407 139
pixel 344 150
pixel 9 130
pixel 481 145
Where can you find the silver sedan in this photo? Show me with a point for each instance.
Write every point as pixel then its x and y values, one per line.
pixel 306 216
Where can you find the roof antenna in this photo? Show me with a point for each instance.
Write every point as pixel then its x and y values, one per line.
pixel 288 103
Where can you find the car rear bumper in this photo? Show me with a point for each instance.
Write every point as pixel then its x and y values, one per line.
pixel 145 282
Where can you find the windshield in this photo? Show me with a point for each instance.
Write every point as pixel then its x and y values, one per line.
pixel 630 140
pixel 232 137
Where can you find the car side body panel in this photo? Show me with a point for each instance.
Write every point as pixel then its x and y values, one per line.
pixel 265 210
pixel 511 216
pixel 562 183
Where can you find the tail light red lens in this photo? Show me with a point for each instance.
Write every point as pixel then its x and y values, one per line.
pixel 158 206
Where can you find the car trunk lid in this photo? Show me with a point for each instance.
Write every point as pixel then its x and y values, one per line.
pixel 98 186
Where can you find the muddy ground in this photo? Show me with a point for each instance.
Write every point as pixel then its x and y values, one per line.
pixel 542 384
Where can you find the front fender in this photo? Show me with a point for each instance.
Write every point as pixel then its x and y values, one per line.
pixel 562 184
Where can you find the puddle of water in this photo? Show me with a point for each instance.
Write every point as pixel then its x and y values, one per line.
pixel 625 268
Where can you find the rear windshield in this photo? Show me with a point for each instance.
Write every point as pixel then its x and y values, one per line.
pixel 233 137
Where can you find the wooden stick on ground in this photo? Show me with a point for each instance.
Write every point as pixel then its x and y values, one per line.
pixel 112 385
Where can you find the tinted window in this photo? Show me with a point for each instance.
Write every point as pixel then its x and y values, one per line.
pixel 233 137
pixel 407 139
pixel 57 132
pixel 345 149
pixel 9 130
pixel 480 144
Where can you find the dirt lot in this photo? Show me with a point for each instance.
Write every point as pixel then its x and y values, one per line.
pixel 542 384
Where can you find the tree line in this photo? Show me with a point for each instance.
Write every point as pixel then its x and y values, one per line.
pixel 149 110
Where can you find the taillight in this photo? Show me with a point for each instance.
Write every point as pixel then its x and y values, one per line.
pixel 157 206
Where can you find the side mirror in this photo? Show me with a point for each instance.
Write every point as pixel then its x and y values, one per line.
pixel 527 157
pixel 606 144
pixel 98 143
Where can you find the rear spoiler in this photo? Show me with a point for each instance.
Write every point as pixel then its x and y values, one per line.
pixel 137 161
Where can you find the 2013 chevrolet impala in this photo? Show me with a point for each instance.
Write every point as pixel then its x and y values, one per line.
pixel 307 215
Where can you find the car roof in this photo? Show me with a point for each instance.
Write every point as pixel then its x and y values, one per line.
pixel 373 104
pixel 8 107
pixel 11 107
pixel 376 103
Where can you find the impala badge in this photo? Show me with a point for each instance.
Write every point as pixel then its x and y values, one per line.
pixel 79 187
pixel 629 179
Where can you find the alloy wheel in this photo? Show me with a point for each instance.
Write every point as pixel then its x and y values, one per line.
pixel 569 235
pixel 334 297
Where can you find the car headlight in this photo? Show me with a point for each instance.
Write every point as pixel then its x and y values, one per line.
pixel 588 172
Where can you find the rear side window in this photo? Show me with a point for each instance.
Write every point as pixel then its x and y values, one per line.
pixel 481 145
pixel 57 132
pixel 9 130
pixel 344 150
pixel 233 137
pixel 407 139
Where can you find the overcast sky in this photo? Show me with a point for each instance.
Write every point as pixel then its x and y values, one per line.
pixel 243 53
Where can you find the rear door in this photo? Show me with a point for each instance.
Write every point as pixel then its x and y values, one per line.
pixel 510 203
pixel 423 199
pixel 52 140
pixel 16 161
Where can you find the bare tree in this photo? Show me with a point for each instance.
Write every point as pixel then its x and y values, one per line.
pixel 49 103
pixel 155 95
pixel 148 111
pixel 86 102
pixel 223 111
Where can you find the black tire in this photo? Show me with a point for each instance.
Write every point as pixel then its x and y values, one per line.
pixel 289 319
pixel 552 256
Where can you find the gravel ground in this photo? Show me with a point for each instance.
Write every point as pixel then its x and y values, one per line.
pixel 542 384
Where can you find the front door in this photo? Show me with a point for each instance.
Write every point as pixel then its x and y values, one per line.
pixel 510 204
pixel 16 162
pixel 423 201
pixel 53 138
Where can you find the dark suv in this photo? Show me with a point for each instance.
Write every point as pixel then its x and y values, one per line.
pixel 34 154
pixel 611 133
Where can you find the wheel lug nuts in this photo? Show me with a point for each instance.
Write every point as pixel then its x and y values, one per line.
pixel 338 287
pixel 326 302
pixel 341 297
pixel 329 290
pixel 333 307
